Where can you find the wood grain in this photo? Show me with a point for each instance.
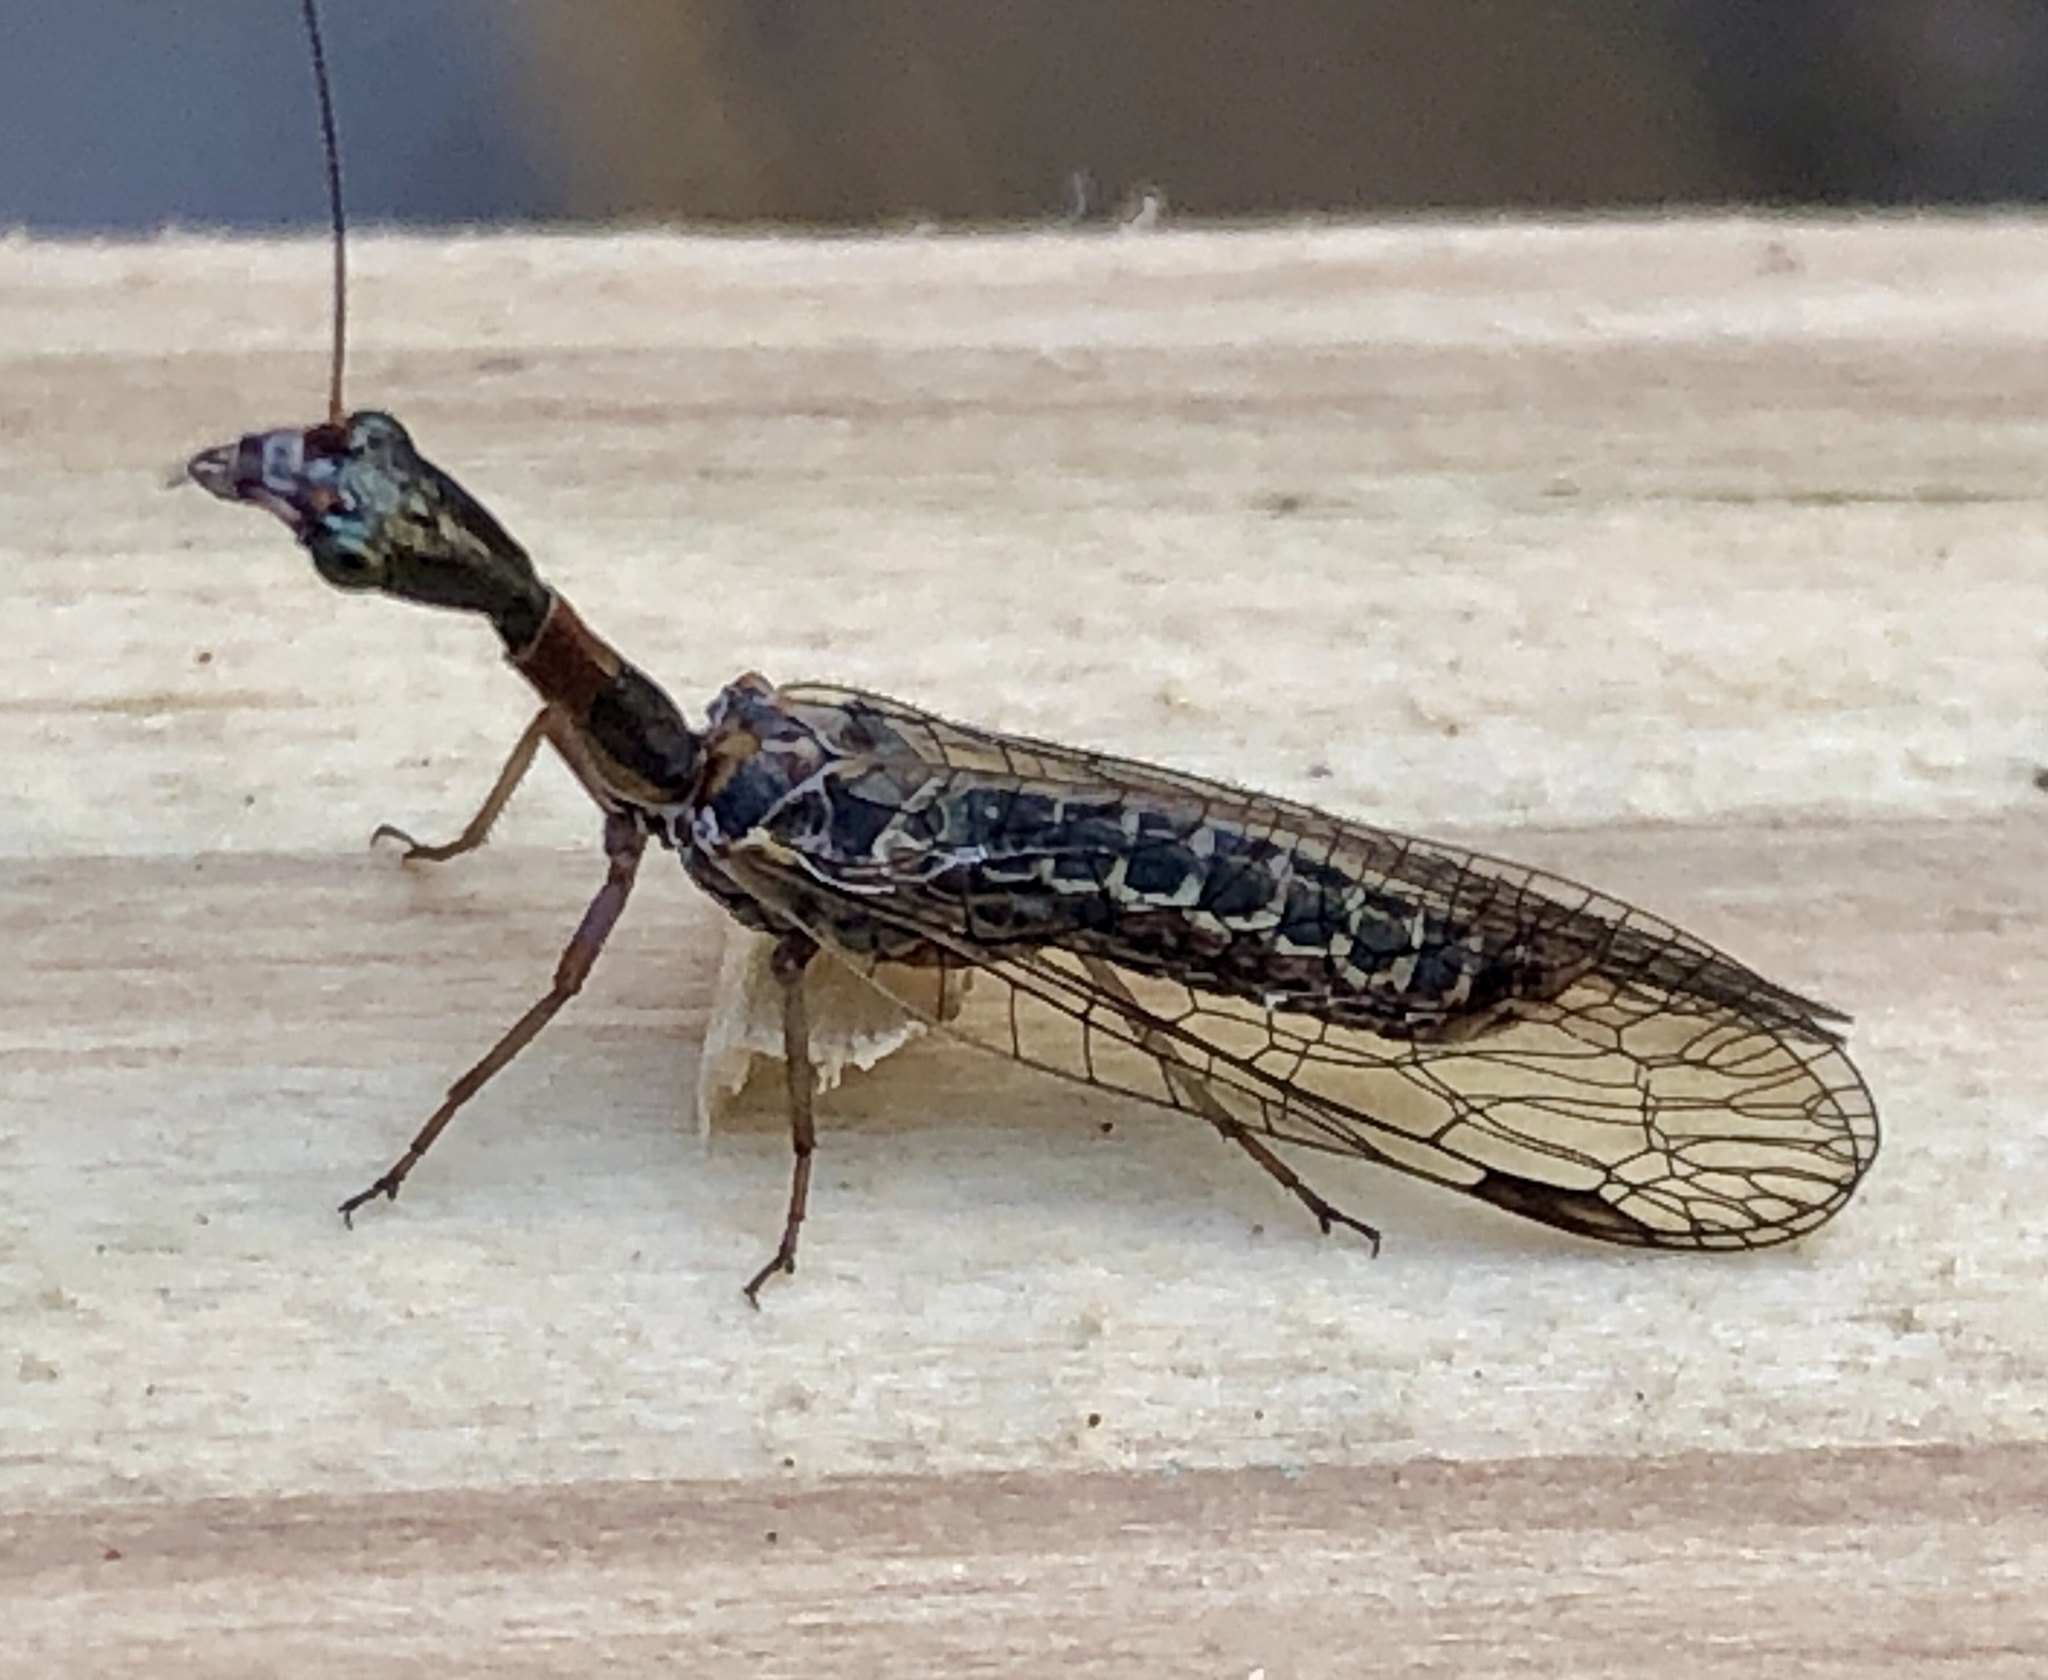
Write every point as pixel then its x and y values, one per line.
pixel 1701 560
pixel 1818 1563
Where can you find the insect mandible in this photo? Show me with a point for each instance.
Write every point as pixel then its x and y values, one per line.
pixel 1296 980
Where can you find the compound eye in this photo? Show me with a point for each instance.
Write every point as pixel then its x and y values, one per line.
pixel 346 566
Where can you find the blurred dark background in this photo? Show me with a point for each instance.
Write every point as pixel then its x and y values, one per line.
pixel 136 113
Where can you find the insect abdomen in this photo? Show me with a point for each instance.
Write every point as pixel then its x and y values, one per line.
pixel 1183 892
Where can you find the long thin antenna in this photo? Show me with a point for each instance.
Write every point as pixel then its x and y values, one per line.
pixel 332 148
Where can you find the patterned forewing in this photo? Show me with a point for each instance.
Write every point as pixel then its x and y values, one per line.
pixel 1635 1085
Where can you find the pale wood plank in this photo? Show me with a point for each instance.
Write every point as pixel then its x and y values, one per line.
pixel 1700 559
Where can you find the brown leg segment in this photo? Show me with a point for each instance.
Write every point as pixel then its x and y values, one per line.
pixel 1328 1216
pixel 623 843
pixel 1206 1103
pixel 479 827
pixel 792 956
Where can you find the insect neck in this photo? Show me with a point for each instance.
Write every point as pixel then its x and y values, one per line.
pixel 632 733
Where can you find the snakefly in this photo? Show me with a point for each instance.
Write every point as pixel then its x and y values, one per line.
pixel 1301 982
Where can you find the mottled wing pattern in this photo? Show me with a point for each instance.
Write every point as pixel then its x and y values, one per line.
pixel 1656 1092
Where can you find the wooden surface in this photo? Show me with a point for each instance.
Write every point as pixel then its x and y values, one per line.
pixel 1704 561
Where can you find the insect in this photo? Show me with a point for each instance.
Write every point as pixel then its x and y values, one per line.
pixel 1299 981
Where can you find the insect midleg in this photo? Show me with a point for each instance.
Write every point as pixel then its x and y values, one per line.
pixel 791 959
pixel 624 842
pixel 1195 1092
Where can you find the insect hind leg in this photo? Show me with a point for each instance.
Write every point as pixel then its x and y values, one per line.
pixel 1193 1093
pixel 1204 1102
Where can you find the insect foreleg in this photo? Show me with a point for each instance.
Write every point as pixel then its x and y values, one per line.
pixel 1194 1092
pixel 792 957
pixel 478 829
pixel 624 841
